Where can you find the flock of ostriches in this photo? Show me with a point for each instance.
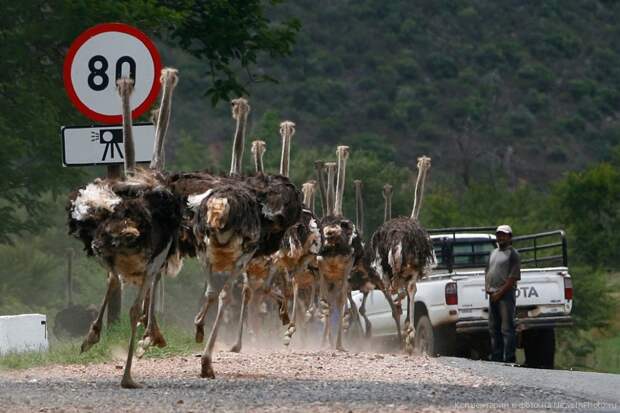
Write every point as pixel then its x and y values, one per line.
pixel 259 228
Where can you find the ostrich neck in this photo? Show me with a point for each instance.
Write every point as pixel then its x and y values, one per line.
pixel 330 189
pixel 359 209
pixel 258 161
pixel 130 154
pixel 387 213
pixel 342 165
pixel 320 176
pixel 286 155
pixel 237 156
pixel 163 120
pixel 307 196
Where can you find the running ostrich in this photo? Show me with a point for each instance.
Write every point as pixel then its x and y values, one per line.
pixel 363 277
pixel 260 270
pixel 297 258
pixel 403 252
pixel 340 248
pixel 238 220
pixel 169 80
pixel 130 227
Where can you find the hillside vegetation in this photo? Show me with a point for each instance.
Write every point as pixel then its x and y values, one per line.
pixel 515 101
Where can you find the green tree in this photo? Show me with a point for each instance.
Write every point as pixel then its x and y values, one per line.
pixel 229 36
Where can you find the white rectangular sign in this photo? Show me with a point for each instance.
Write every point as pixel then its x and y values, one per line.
pixel 97 145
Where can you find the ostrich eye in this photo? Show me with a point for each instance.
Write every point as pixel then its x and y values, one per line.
pixel 345 225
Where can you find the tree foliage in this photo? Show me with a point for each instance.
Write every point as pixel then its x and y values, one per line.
pixel 229 36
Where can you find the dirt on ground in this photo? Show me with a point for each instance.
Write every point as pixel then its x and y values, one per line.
pixel 268 381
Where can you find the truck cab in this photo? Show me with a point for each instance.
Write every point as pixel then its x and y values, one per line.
pixel 451 305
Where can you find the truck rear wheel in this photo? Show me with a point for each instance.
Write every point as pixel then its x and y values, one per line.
pixel 424 340
pixel 539 348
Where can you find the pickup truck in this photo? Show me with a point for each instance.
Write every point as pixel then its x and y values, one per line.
pixel 451 305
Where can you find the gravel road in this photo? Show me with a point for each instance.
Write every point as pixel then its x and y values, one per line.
pixel 266 381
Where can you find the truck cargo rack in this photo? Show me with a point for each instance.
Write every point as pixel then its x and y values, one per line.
pixel 544 248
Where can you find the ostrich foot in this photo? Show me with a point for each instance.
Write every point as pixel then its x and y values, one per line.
pixel 236 348
pixel 150 338
pixel 409 340
pixel 128 383
pixel 341 348
pixel 289 334
pixel 92 338
pixel 200 333
pixel 206 371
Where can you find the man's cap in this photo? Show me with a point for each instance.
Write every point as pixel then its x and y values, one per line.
pixel 505 229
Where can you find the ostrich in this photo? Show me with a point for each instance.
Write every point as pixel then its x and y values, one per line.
pixel 297 258
pixel 239 220
pixel 129 226
pixel 402 251
pixel 337 254
pixel 258 276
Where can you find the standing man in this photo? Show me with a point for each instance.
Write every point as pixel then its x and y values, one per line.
pixel 501 275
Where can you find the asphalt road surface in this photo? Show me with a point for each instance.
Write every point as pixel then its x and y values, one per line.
pixel 300 381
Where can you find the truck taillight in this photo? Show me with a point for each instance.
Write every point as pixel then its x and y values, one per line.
pixel 452 297
pixel 568 288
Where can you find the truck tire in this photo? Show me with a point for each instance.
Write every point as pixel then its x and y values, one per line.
pixel 539 348
pixel 424 340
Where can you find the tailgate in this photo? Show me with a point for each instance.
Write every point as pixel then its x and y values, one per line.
pixel 536 288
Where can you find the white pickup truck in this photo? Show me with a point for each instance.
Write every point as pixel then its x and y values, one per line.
pixel 451 305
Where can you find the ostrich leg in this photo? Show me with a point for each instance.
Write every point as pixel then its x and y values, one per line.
pixel 207 355
pixel 340 301
pixel 134 316
pixel 354 314
pixel 395 314
pixel 311 307
pixel 410 332
pixel 291 327
pixel 325 309
pixel 245 298
pixel 152 335
pixel 94 332
pixel 362 311
pixel 210 298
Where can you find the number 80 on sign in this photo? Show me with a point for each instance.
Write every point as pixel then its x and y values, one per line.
pixel 100 56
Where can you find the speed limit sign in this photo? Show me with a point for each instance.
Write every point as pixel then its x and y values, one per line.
pixel 100 56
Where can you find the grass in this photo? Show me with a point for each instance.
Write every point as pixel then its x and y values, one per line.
pixel 114 341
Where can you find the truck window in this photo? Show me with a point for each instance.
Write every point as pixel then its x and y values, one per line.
pixel 466 253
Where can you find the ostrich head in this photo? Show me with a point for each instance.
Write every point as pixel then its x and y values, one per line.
pixel 258 150
pixel 240 110
pixel 287 130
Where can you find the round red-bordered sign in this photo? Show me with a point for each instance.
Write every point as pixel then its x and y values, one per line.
pixel 95 59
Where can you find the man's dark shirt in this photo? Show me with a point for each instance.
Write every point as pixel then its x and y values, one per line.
pixel 503 263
